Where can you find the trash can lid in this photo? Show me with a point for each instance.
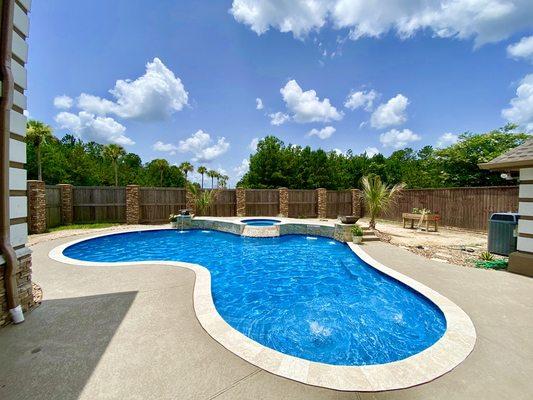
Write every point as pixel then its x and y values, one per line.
pixel 509 217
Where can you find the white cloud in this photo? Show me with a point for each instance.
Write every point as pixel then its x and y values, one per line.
pixel 323 133
pixel 359 99
pixel 278 118
pixel 153 96
pixel 258 104
pixel 447 139
pixel 371 151
pixel 242 168
pixel 253 144
pixel 484 21
pixel 165 147
pixel 202 146
pixel 398 139
pixel 522 49
pixel 339 152
pixel 90 127
pixel 391 113
pixel 306 106
pixel 521 110
pixel 63 102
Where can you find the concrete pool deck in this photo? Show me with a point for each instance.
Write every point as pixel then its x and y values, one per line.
pixel 131 332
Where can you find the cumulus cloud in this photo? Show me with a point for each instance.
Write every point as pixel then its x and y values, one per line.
pixel 323 133
pixel 165 147
pixel 153 96
pixel 91 127
pixel 447 139
pixel 485 21
pixel 202 147
pixel 306 106
pixel 371 151
pixel 258 104
pixel 278 118
pixel 243 168
pixel 391 113
pixel 364 99
pixel 522 49
pixel 521 107
pixel 63 102
pixel 398 139
pixel 253 144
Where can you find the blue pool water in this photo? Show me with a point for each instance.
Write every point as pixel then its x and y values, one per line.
pixel 261 221
pixel 310 297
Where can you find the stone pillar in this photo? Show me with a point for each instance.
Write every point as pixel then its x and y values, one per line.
pixel 36 207
pixel 67 203
pixel 133 209
pixel 357 209
pixel 283 202
pixel 241 202
pixel 322 202
pixel 190 202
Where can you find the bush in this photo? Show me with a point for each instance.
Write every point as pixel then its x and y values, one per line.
pixel 357 230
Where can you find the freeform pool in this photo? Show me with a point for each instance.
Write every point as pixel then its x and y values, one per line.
pixel 309 297
pixel 260 221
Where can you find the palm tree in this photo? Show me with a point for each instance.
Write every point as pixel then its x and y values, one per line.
pixel 186 167
pixel 378 196
pixel 212 174
pixel 223 180
pixel 114 152
pixel 38 133
pixel 203 199
pixel 161 165
pixel 202 170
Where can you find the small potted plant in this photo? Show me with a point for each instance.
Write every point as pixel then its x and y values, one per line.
pixel 173 218
pixel 357 234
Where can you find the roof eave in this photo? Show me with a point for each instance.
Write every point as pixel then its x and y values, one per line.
pixel 507 165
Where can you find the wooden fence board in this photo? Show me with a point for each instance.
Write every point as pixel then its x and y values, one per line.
pixel 339 202
pixel 53 206
pixel 225 204
pixel 262 202
pixel 99 204
pixel 156 204
pixel 302 203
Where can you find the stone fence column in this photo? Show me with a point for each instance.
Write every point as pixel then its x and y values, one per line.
pixel 284 202
pixel 322 202
pixel 36 207
pixel 66 203
pixel 190 201
pixel 133 209
pixel 241 202
pixel 357 209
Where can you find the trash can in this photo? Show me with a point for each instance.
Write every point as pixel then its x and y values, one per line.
pixel 503 232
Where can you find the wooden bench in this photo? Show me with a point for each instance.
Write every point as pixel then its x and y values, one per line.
pixel 427 219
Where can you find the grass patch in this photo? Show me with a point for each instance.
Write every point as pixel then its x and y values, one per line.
pixel 492 264
pixel 82 226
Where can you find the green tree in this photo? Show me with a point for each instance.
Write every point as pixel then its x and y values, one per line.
pixel 161 165
pixel 202 170
pixel 38 133
pixel 212 174
pixel 114 152
pixel 186 167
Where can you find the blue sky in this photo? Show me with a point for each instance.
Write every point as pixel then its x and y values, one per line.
pixel 419 75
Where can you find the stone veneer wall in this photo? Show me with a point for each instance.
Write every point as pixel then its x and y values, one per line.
pixel 24 285
pixel 190 202
pixel 322 200
pixel 357 208
pixel 133 209
pixel 36 207
pixel 241 202
pixel 284 202
pixel 67 203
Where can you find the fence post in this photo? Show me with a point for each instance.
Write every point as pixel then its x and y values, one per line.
pixel 357 209
pixel 322 200
pixel 36 207
pixel 190 201
pixel 133 214
pixel 66 203
pixel 241 202
pixel 284 202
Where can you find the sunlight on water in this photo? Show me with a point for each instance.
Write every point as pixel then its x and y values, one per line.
pixel 319 330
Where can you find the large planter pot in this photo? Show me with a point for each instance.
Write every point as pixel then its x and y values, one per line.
pixel 357 239
pixel 174 224
pixel 348 219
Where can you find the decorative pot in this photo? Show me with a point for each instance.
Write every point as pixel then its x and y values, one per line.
pixel 357 239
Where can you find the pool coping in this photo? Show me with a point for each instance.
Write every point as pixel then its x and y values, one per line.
pixel 444 355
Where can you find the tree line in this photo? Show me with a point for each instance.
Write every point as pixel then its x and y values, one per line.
pixel 71 160
pixel 276 164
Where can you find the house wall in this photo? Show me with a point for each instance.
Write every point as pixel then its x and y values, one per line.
pixel 525 209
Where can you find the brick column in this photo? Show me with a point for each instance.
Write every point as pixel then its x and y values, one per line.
pixel 283 202
pixel 67 203
pixel 133 209
pixel 357 210
pixel 322 202
pixel 36 207
pixel 241 202
pixel 190 202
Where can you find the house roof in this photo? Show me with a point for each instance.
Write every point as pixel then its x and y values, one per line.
pixel 514 159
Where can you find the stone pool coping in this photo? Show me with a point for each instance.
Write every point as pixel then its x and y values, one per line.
pixel 449 351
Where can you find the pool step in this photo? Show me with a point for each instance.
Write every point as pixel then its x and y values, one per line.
pixel 369 235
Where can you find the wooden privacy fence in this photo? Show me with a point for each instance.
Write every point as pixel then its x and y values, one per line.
pixel 459 207
pixel 467 208
pixel 99 204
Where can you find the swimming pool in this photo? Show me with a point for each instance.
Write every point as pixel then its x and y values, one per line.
pixel 260 221
pixel 308 297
